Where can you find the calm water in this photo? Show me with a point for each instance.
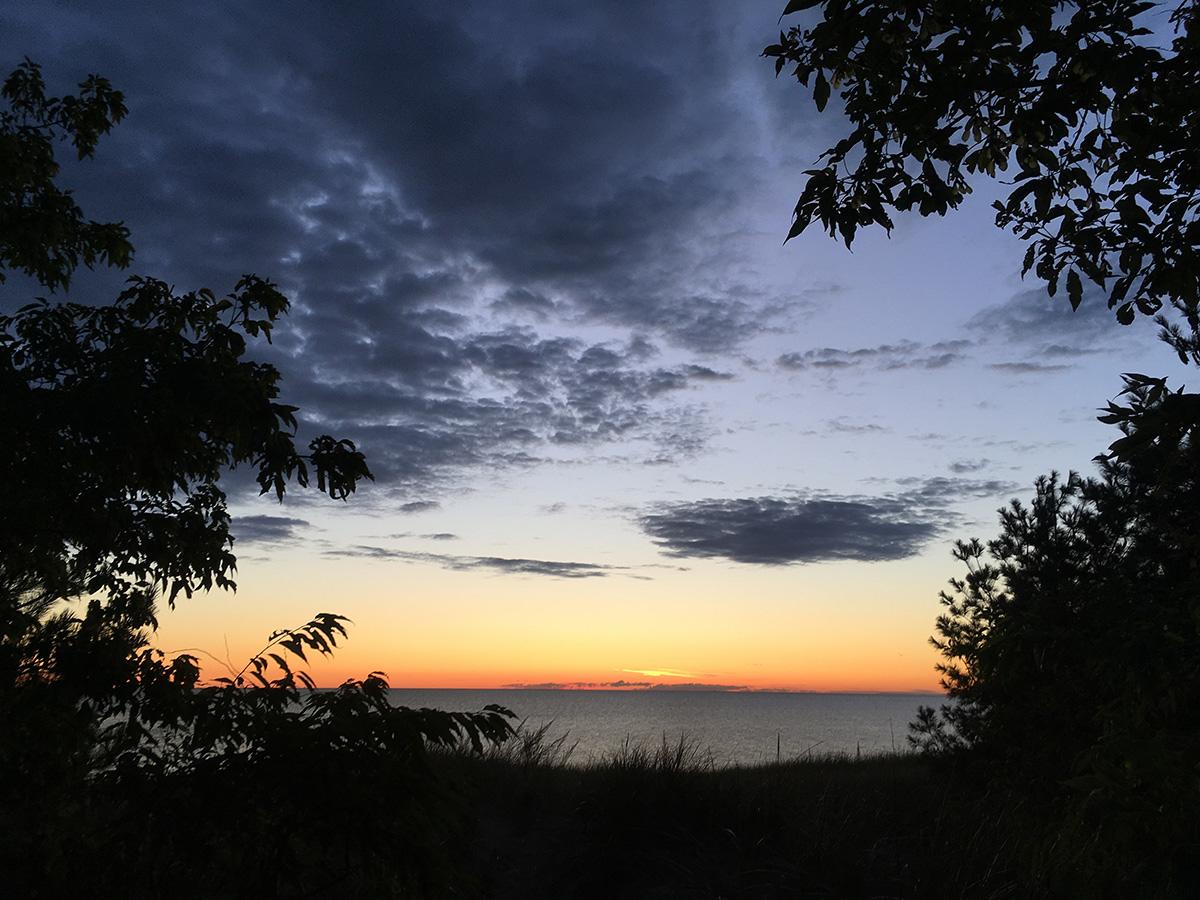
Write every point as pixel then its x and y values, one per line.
pixel 738 727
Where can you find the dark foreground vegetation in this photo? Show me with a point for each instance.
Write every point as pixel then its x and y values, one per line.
pixel 664 824
pixel 1067 763
pixel 517 822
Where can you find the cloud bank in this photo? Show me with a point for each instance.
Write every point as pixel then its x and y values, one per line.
pixel 797 529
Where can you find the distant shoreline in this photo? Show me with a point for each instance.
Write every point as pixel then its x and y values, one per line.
pixel 670 689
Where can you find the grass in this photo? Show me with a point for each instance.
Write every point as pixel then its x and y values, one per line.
pixel 664 820
pixel 532 819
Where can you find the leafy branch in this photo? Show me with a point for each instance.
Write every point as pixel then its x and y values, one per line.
pixel 320 634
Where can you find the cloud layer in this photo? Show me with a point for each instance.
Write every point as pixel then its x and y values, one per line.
pixel 498 564
pixel 887 357
pixel 445 192
pixel 267 529
pixel 624 685
pixel 797 529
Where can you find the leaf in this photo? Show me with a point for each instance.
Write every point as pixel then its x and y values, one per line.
pixel 821 92
pixel 795 6
pixel 801 222
pixel 1074 288
pixel 1030 253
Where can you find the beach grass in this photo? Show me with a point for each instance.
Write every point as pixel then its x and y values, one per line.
pixel 533 818
pixel 664 819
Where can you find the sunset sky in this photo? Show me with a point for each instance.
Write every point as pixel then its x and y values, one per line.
pixel 621 433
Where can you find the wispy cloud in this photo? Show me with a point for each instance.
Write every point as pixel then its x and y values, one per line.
pixel 1028 368
pixel 500 564
pixel 901 355
pixel 574 685
pixel 1034 319
pixel 624 685
pixel 661 673
pixel 845 427
pixel 267 529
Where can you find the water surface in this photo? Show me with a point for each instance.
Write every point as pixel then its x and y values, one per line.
pixel 738 727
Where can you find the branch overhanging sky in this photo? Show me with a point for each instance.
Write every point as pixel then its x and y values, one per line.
pixel 535 256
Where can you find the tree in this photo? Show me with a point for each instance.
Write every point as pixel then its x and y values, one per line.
pixel 43 232
pixel 119 423
pixel 1094 121
pixel 1072 646
pixel 122 419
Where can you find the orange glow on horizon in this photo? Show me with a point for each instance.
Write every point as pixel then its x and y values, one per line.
pixel 329 673
pixel 821 629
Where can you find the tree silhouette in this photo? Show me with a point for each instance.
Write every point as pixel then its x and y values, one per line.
pixel 1071 646
pixel 42 230
pixel 121 419
pixel 119 423
pixel 1093 121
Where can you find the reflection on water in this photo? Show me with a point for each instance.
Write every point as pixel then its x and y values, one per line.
pixel 737 727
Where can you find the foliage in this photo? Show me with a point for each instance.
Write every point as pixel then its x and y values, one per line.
pixel 121 419
pixel 329 786
pixel 1074 97
pixel 664 822
pixel 1096 121
pixel 42 230
pixel 120 422
pixel 1072 644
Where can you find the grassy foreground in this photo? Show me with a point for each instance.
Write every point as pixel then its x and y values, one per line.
pixel 527 821
pixel 665 822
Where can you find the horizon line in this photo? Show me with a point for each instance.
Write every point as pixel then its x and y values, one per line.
pixel 669 688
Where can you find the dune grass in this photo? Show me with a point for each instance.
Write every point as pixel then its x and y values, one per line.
pixel 665 820
pixel 532 818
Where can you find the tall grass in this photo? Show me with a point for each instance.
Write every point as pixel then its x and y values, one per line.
pixel 665 819
pixel 534 746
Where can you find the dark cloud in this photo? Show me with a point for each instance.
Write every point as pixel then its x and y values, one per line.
pixel 266 529
pixel 424 405
pixel 774 531
pixel 523 300
pixel 1028 368
pixel 499 564
pixel 798 529
pixel 967 466
pixel 1032 317
pixel 418 506
pixel 1067 350
pixel 1048 328
pixel 940 490
pixel 426 182
pixel 440 536
pixel 901 355
pixel 704 373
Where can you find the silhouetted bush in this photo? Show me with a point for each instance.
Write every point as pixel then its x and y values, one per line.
pixel 1072 646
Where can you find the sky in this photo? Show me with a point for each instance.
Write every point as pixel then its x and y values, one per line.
pixel 621 433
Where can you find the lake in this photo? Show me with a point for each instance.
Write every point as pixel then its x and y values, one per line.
pixel 738 727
